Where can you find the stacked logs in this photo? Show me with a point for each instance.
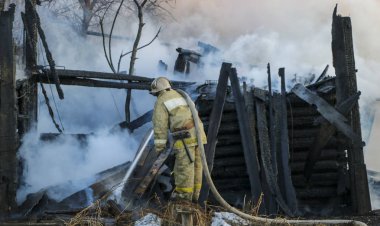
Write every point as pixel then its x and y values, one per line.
pixel 326 191
pixel 229 170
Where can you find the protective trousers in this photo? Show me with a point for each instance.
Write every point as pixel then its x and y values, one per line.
pixel 187 175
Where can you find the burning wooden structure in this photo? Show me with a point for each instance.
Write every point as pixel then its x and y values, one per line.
pixel 302 149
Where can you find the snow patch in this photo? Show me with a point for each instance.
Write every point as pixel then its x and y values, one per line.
pixel 149 220
pixel 227 219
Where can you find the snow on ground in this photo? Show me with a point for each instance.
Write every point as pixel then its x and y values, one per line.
pixel 226 219
pixel 219 219
pixel 149 220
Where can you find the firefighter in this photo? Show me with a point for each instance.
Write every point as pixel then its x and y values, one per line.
pixel 172 113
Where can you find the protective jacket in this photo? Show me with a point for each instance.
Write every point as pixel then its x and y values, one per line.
pixel 171 112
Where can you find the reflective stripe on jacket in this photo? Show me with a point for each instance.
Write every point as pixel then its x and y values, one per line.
pixel 171 112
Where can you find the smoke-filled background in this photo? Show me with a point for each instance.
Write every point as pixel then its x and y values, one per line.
pixel 291 34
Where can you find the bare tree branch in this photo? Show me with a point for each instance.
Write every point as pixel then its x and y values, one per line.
pixel 141 47
pixel 111 31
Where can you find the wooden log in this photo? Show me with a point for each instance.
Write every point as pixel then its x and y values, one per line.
pixel 301 122
pixel 320 167
pixel 304 143
pixel 226 117
pixel 213 126
pixel 232 171
pixel 320 192
pixel 302 111
pixel 230 161
pixel 228 139
pixel 316 180
pixel 227 184
pixel 299 133
pixel 205 107
pixel 250 152
pixel 8 117
pixel 326 154
pixel 229 150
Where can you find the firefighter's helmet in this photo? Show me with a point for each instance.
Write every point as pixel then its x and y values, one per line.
pixel 159 84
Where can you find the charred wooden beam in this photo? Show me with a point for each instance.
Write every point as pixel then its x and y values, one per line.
pixel 98 83
pixel 214 124
pixel 285 179
pixel 250 151
pixel 49 56
pixel 87 78
pixel 27 99
pixel 66 73
pixel 346 86
pixel 137 123
pixel 269 177
pixel 8 116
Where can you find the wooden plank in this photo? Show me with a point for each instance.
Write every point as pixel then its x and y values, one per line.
pixel 283 153
pixel 346 86
pixel 250 152
pixel 214 125
pixel 8 117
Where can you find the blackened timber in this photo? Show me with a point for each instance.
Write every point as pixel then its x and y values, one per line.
pixel 98 83
pixel 346 85
pixel 8 114
pixel 271 122
pixel 100 75
pixel 289 192
pixel 28 100
pixel 137 123
pixel 269 177
pixel 49 56
pixel 77 74
pixel 214 124
pixel 245 132
pixel 326 131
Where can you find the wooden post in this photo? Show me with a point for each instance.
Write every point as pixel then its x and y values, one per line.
pixel 346 86
pixel 27 93
pixel 214 124
pixel 8 114
pixel 250 152
pixel 289 192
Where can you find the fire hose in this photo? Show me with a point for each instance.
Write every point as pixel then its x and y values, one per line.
pixel 254 219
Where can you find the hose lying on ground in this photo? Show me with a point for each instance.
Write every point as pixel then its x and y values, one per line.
pixel 254 219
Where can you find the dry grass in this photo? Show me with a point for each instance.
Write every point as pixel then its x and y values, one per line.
pixel 93 215
pixel 90 216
